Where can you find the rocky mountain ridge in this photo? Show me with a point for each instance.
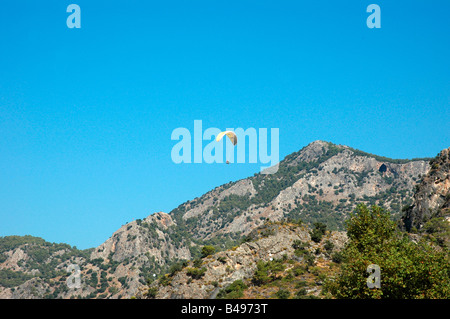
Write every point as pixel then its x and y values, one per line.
pixel 323 182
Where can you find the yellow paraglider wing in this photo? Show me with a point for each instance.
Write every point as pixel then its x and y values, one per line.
pixel 231 135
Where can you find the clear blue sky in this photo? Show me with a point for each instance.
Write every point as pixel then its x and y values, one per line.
pixel 86 114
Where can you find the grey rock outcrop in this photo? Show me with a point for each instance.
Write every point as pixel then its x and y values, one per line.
pixel 432 196
pixel 239 263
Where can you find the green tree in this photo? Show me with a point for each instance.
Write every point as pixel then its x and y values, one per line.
pixel 207 250
pixel 176 267
pixel 283 294
pixel 261 275
pixel 196 273
pixel 318 231
pixel 408 270
pixel 152 292
pixel 233 291
pixel 267 271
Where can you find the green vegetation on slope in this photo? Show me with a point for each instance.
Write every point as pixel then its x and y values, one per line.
pixel 408 269
pixel 42 259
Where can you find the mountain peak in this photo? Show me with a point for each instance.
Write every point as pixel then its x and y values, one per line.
pixel 310 152
pixel 319 142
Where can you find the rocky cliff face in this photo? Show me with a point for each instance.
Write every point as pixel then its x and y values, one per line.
pixel 140 248
pixel 271 243
pixel 432 196
pixel 323 182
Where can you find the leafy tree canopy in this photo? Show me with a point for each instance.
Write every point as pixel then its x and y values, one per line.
pixel 407 269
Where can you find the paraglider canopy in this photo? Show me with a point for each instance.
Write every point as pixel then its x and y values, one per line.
pixel 231 135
